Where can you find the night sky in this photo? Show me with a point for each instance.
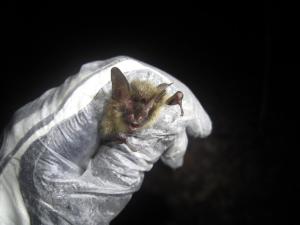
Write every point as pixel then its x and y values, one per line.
pixel 237 59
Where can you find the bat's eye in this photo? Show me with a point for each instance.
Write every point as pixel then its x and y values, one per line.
pixel 140 118
pixel 129 104
pixel 135 99
pixel 130 117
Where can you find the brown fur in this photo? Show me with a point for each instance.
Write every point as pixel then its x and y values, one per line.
pixel 113 123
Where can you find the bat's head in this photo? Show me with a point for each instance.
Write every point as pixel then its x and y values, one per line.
pixel 136 103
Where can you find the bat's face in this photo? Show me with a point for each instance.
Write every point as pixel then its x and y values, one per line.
pixel 137 103
pixel 136 112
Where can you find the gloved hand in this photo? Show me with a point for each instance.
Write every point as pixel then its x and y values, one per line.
pixel 56 170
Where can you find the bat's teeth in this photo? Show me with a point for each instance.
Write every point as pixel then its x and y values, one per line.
pixel 134 126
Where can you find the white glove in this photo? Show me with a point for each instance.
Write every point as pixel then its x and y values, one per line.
pixel 47 172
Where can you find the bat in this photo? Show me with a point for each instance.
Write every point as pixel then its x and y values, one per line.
pixel 133 106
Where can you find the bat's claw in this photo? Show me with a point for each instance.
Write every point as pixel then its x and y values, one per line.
pixel 121 138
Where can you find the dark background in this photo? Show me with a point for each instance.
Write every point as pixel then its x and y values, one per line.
pixel 237 58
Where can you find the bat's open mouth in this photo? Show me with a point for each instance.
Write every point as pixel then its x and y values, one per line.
pixel 134 126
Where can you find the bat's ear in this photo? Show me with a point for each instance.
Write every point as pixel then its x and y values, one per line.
pixel 162 91
pixel 120 85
